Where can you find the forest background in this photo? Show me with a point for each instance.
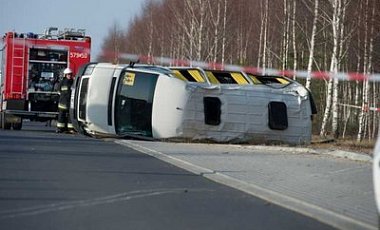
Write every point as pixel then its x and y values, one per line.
pixel 312 35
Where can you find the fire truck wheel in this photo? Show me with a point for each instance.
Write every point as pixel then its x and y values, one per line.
pixel 17 126
pixel 3 122
pixel 6 125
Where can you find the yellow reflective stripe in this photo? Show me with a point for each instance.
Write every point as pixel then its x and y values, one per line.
pixel 62 106
pixel 64 88
pixel 212 78
pixel 196 75
pixel 70 126
pixel 178 75
pixel 282 81
pixel 61 125
pixel 254 79
pixel 239 78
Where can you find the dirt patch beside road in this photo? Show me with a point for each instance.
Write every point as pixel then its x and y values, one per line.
pixel 365 146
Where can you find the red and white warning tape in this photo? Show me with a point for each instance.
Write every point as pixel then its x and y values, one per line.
pixel 364 108
pixel 253 70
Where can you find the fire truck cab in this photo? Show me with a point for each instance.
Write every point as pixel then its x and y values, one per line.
pixel 32 67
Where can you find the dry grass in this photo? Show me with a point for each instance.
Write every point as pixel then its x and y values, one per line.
pixel 366 146
pixel 351 145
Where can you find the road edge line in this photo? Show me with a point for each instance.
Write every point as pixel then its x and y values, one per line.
pixel 310 210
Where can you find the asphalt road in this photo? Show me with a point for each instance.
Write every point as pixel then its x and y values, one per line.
pixel 66 181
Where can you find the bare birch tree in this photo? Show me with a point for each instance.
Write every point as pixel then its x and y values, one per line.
pixel 216 21
pixel 363 115
pixel 285 35
pixel 372 135
pixel 224 31
pixel 332 87
pixel 312 44
pixel 263 33
pixel 294 19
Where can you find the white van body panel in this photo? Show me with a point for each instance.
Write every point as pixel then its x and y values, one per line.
pixel 244 115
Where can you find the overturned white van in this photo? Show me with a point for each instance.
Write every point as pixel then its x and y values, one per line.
pixel 155 102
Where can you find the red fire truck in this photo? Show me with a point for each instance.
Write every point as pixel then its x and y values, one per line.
pixel 32 66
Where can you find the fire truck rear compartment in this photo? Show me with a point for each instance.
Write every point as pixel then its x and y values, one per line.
pixel 32 66
pixel 43 102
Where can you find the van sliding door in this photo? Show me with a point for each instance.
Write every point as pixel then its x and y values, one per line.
pixel 133 103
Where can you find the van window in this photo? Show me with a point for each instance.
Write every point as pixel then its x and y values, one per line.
pixel 110 99
pixel 222 77
pixel 212 110
pixel 192 75
pixel 268 80
pixel 254 79
pixel 83 99
pixel 278 116
pixel 133 103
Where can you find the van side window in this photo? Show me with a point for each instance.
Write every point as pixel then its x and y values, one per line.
pixel 212 110
pixel 221 77
pixel 278 117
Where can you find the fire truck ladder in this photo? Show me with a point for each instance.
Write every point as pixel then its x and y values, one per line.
pixel 18 67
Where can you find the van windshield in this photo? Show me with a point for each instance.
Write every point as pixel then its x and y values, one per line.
pixel 133 103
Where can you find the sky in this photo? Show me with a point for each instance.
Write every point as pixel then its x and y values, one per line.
pixel 95 16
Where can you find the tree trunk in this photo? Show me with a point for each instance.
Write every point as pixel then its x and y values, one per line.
pixel 332 97
pixel 285 36
pixel 370 70
pixel 265 35
pixel 262 21
pixel 326 114
pixel 224 31
pixel 216 32
pixel 200 29
pixel 294 38
pixel 312 44
pixel 363 115
pixel 339 40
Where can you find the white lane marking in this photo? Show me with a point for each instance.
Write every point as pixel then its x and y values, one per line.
pixel 167 158
pixel 316 212
pixel 36 210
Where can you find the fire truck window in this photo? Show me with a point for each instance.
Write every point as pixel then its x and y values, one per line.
pixel 133 103
pixel 2 67
pixel 45 69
